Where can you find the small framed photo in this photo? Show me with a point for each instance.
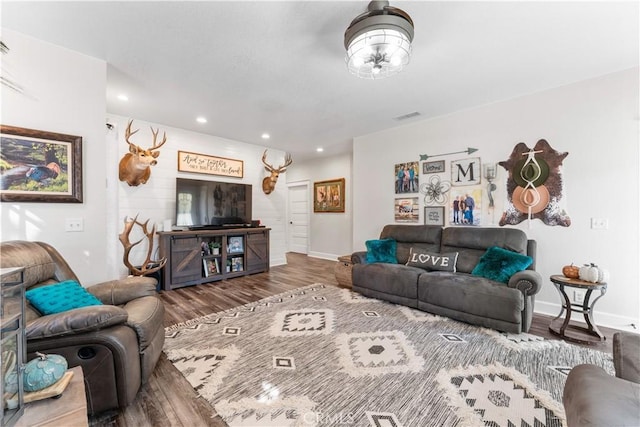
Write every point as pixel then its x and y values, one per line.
pixel 434 215
pixel 433 167
pixel 210 267
pixel 406 210
pixel 235 245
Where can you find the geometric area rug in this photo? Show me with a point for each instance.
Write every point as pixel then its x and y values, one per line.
pixel 326 356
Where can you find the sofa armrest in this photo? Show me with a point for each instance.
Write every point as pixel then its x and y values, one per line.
pixel 626 356
pixel 77 321
pixel 359 257
pixel 528 282
pixel 121 291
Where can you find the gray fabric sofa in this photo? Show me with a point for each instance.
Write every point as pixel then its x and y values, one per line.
pixel 592 397
pixel 458 295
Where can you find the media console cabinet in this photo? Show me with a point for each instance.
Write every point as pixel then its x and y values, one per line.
pixel 202 256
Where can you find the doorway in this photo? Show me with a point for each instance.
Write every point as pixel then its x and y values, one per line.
pixel 298 218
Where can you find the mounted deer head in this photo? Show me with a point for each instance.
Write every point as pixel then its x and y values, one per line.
pixel 149 266
pixel 269 183
pixel 135 166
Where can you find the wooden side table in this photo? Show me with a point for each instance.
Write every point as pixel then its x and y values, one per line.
pixel 69 410
pixel 561 327
pixel 343 270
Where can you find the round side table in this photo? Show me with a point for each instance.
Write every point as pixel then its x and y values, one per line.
pixel 561 327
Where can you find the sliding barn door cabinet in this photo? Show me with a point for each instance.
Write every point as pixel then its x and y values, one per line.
pixel 202 256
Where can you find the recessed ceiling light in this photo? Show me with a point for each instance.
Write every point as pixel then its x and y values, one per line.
pixel 201 120
pixel 266 136
pixel 123 97
pixel 319 149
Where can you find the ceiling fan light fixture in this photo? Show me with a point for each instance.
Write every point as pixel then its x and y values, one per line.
pixel 378 42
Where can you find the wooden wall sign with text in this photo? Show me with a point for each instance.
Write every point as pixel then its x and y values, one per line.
pixel 201 163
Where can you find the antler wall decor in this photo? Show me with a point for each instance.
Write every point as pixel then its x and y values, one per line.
pixel 135 166
pixel 269 183
pixel 149 266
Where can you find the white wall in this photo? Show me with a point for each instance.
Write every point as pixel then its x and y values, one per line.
pixel 330 233
pixel 155 200
pixel 64 93
pixel 596 121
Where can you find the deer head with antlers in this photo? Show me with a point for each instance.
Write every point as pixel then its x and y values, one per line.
pixel 149 266
pixel 269 182
pixel 135 166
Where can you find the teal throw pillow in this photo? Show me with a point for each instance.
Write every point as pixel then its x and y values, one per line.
pixel 60 297
pixel 500 264
pixel 383 250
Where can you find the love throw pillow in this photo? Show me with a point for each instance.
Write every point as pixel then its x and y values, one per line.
pixel 432 261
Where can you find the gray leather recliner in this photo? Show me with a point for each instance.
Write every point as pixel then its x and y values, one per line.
pixel 116 344
pixel 592 397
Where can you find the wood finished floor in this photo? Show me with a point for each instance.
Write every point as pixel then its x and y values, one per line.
pixel 168 399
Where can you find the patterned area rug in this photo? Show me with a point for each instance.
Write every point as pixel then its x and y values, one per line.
pixel 326 356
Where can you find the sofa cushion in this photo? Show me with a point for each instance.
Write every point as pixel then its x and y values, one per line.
pixel 465 293
pixel 432 261
pixel 383 250
pixel 60 297
pixel 472 242
pixel 391 279
pixel 426 237
pixel 500 264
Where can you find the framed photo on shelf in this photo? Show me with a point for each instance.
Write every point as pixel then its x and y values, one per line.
pixel 235 245
pixel 434 215
pixel 237 264
pixel 210 267
pixel 40 166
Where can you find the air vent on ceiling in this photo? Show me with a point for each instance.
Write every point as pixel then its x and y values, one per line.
pixel 407 116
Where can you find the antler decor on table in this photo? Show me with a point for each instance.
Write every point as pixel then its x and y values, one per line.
pixel 149 266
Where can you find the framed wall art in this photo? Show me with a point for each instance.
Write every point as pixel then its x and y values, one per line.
pixel 328 196
pixel 465 172
pixel 407 178
pixel 433 167
pixel 201 163
pixel 406 210
pixel 434 215
pixel 40 166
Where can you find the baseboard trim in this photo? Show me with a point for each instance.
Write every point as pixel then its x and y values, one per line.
pixel 601 318
pixel 322 255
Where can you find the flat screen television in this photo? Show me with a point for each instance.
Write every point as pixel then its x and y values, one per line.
pixel 212 204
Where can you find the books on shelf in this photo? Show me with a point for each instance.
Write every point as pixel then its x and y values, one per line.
pixel 211 267
pixel 235 244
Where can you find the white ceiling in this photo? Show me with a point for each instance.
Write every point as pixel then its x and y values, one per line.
pixel 256 66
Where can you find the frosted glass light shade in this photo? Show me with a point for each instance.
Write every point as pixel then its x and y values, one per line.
pixel 378 53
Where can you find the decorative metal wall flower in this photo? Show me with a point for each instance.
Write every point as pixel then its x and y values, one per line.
pixel 435 191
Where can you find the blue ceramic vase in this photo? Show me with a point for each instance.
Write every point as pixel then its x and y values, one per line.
pixel 43 371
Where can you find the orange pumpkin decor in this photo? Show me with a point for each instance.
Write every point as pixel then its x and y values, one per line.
pixel 571 271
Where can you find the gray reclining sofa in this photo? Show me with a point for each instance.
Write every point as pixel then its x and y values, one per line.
pixel 459 295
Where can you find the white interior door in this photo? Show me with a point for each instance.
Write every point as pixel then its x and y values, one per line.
pixel 298 224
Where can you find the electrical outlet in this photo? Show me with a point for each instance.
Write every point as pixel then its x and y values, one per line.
pixel 73 224
pixel 600 223
pixel 578 296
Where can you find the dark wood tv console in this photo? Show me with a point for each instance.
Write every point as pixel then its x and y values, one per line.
pixel 192 257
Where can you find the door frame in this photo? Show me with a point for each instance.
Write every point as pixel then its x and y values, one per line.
pixel 303 183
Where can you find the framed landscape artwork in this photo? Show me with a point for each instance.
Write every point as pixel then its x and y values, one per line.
pixel 39 166
pixel 328 196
